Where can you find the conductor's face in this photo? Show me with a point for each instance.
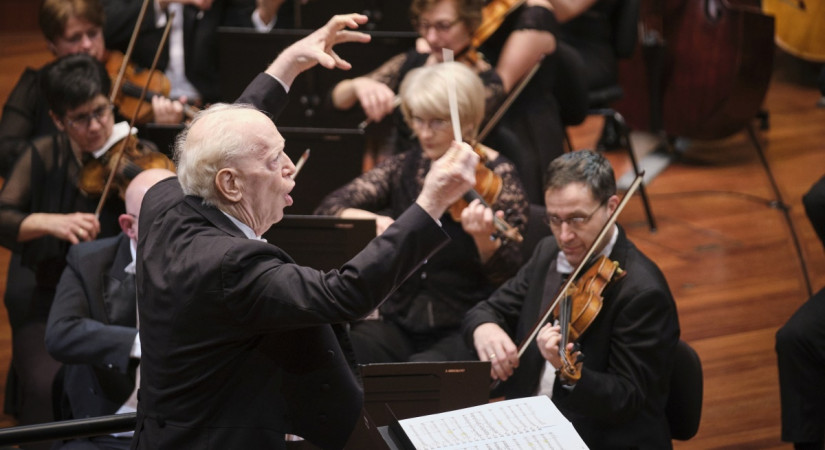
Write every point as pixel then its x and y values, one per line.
pixel 258 181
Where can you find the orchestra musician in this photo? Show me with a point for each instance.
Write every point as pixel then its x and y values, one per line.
pixel 237 349
pixel 421 320
pixel 619 399
pixel 800 353
pixel 70 27
pixel 43 211
pixel 442 24
pixel 190 60
pixel 92 326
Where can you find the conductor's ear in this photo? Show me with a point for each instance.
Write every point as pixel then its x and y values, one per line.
pixel 228 184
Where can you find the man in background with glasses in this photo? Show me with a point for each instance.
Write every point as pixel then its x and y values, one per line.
pixel 619 399
pixel 43 212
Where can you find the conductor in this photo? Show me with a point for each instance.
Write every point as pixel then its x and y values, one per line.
pixel 237 343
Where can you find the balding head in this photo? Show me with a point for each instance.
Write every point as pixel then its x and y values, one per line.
pixel 134 197
pixel 216 139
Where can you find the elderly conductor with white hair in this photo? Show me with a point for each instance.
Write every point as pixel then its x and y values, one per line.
pixel 236 338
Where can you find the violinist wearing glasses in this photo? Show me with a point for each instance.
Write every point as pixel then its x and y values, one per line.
pixel 441 24
pixel 43 210
pixel 420 321
pixel 618 398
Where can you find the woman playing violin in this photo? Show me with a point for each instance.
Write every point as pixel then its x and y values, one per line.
pixel 442 24
pixel 619 399
pixel 43 212
pixel 70 27
pixel 420 321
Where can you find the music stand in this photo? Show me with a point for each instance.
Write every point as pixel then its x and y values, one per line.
pixel 421 388
pixel 244 53
pixel 336 158
pixel 321 242
pixel 162 135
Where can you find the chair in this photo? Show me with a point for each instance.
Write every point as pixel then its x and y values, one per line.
pixel 684 402
pixel 625 20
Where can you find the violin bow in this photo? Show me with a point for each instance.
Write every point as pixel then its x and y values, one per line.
pixel 452 97
pixel 590 251
pixel 488 127
pixel 128 54
pixel 447 56
pixel 119 155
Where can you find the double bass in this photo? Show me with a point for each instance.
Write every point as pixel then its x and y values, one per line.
pixel 711 71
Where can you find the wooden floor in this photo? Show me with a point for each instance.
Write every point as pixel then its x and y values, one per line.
pixel 727 252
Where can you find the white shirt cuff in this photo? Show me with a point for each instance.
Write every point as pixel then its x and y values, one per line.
pixel 135 352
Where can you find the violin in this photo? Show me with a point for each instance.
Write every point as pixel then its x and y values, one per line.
pixel 492 16
pixel 121 168
pixel 114 168
pixel 579 308
pixel 128 97
pixel 487 189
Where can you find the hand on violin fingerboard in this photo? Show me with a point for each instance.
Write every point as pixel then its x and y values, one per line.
pixel 167 111
pixel 493 344
pixel 478 221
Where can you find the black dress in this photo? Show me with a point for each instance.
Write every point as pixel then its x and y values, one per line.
pixel 531 132
pixel 428 308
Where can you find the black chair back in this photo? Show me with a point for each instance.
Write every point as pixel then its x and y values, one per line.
pixel 625 31
pixel 684 403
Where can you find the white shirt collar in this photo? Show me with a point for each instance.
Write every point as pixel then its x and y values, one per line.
pixel 119 131
pixel 245 229
pixel 131 268
pixel 564 266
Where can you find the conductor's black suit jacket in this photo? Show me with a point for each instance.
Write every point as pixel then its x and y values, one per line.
pixel 237 346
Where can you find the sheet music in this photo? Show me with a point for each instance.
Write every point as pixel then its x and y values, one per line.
pixel 527 423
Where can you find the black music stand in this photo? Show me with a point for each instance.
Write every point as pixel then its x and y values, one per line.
pixel 244 53
pixel 407 390
pixel 321 242
pixel 162 135
pixel 336 158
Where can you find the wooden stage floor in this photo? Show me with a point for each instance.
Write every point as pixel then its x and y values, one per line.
pixel 726 251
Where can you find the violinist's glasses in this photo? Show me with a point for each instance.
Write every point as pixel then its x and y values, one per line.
pixel 555 221
pixel 82 122
pixel 435 125
pixel 442 26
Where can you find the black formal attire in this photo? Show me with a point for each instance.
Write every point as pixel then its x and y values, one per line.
pixel 814 202
pixel 200 37
pixel 92 328
pixel 800 351
pixel 531 132
pixel 237 349
pixel 25 117
pixel 44 180
pixel 421 320
pixel 620 399
pixel 591 34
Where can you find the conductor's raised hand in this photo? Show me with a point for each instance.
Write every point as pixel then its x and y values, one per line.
pixel 317 48
pixel 449 178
